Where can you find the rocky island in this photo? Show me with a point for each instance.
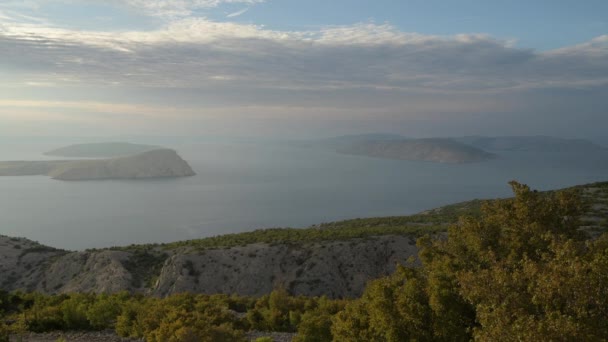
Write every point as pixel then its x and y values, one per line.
pixel 542 144
pixel 159 163
pixel 452 150
pixel 431 150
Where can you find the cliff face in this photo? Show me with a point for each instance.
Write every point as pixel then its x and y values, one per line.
pixel 332 268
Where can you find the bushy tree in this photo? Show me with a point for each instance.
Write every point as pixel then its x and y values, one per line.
pixel 521 271
pixel 102 313
pixel 394 308
pixel 315 324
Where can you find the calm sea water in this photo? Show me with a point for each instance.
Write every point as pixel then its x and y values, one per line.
pixel 244 186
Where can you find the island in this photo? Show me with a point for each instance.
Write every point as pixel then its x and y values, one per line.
pixel 452 150
pixel 431 150
pixel 543 144
pixel 159 163
pixel 101 150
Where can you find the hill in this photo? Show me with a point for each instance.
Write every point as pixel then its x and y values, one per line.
pixel 151 164
pixel 433 150
pixel 100 150
pixel 334 259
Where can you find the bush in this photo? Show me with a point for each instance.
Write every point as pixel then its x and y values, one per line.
pixel 264 339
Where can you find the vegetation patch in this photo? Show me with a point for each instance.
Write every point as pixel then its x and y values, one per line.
pixel 145 266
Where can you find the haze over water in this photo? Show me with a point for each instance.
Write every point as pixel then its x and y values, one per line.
pixel 241 186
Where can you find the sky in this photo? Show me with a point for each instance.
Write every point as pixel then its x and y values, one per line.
pixel 300 69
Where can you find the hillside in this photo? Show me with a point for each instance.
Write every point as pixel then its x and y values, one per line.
pixel 101 150
pixel 333 259
pixel 151 164
pixel 433 150
pixel 333 268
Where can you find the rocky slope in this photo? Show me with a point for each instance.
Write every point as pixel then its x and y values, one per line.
pixel 433 150
pixel 150 164
pixel 332 268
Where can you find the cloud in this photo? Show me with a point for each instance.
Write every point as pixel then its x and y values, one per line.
pixel 179 8
pixel 197 53
pixel 198 68
pixel 237 13
pixel 33 11
pixel 168 9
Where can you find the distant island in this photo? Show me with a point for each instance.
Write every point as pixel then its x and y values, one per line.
pixel 158 163
pixel 531 143
pixel 101 150
pixel 453 150
pixel 432 150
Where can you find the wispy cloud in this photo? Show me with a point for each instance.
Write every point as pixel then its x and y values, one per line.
pixel 166 9
pixel 238 13
pixel 179 8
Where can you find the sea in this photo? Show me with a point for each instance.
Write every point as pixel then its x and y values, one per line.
pixel 243 185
